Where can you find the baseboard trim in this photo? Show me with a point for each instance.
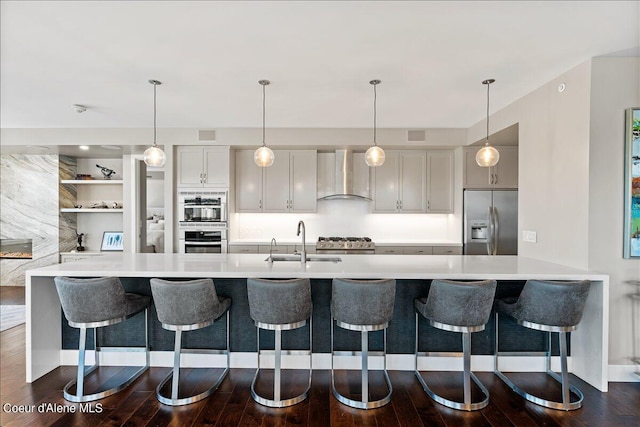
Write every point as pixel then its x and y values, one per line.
pixel 624 373
pixel 395 362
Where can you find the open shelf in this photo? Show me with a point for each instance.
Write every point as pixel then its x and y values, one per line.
pixel 97 210
pixel 93 181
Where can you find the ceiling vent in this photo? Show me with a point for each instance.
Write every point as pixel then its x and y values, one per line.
pixel 416 136
pixel 206 135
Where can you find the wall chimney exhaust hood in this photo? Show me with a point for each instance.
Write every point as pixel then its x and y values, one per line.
pixel 344 178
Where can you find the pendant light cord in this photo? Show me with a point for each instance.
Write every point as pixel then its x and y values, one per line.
pixel 487 141
pixel 375 96
pixel 263 115
pixel 154 115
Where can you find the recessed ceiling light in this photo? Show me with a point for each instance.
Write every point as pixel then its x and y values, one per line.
pixel 84 147
pixel 111 147
pixel 38 147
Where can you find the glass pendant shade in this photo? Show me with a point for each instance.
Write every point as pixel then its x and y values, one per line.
pixel 154 156
pixel 263 157
pixel 374 156
pixel 487 156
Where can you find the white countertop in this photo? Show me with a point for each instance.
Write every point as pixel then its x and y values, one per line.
pixel 351 266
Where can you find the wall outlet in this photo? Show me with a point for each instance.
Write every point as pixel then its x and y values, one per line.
pixel 529 236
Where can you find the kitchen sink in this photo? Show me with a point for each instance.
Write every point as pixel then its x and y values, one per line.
pixel 310 258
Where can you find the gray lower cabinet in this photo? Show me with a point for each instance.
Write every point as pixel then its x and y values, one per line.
pixel 447 250
pixel 389 250
pixel 418 250
pixel 264 249
pixel 380 250
pixel 243 249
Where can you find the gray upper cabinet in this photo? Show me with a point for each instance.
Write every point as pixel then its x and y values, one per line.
pixel 502 175
pixel 203 167
pixel 248 183
pixel 289 185
pixel 399 185
pixel 440 167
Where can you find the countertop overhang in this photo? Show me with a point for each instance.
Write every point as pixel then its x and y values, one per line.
pixel 352 266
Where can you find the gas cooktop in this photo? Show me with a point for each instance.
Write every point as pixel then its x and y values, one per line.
pixel 345 243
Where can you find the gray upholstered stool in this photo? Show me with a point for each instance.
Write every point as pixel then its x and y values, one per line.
pixel 280 305
pixel 95 303
pixel 552 307
pixel 363 305
pixel 462 307
pixel 187 306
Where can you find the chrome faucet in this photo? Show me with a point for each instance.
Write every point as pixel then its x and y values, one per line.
pixel 271 245
pixel 303 253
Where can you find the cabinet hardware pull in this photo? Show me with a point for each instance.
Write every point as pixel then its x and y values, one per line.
pixel 496 180
pixel 204 178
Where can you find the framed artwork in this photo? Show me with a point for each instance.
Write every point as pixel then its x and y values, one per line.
pixel 632 185
pixel 112 241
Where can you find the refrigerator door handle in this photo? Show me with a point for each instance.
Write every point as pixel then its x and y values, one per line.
pixel 496 224
pixel 490 232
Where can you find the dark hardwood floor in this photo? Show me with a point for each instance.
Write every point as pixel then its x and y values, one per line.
pixel 232 405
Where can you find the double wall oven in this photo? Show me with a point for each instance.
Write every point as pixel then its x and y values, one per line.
pixel 202 221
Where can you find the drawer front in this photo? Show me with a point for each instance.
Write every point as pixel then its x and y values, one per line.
pixel 447 250
pixel 243 249
pixel 278 249
pixel 417 250
pixel 389 250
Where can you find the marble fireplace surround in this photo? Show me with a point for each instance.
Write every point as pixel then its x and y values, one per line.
pixel 30 197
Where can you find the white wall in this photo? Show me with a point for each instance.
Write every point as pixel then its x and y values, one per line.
pixel 571 179
pixel 553 166
pixel 615 86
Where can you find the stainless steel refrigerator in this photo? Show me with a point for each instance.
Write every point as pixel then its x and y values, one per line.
pixel 490 222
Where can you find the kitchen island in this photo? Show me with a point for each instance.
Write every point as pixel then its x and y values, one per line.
pixel 50 343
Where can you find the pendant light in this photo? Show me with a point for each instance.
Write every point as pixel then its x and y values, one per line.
pixel 374 155
pixel 263 156
pixel 487 156
pixel 154 156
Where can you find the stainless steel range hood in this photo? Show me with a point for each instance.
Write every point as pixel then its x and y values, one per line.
pixel 344 178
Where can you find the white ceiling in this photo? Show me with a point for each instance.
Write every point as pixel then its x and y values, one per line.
pixel 431 57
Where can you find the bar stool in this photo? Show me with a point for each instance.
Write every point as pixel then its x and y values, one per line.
pixel 363 305
pixel 279 305
pixel 462 307
pixel 187 306
pixel 549 306
pixel 95 303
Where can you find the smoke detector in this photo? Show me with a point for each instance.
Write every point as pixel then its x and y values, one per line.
pixel 79 108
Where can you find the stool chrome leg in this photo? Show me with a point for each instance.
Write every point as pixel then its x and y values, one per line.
pixel 278 401
pixel 176 365
pixel 467 405
pixel 84 372
pixel 174 375
pixel 365 403
pixel 567 388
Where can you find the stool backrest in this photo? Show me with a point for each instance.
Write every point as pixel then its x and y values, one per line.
pixel 279 302
pixel 460 303
pixel 363 302
pixel 185 302
pixel 91 300
pixel 552 303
